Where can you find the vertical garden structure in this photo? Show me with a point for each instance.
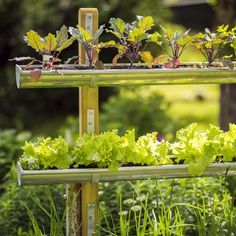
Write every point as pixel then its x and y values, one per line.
pixel 82 188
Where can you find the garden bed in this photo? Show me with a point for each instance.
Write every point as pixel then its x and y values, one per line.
pixel 69 76
pixel 95 175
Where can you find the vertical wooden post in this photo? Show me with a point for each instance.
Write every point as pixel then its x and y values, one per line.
pixel 89 122
pixel 83 214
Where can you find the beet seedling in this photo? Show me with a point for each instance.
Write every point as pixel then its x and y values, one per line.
pixel 210 43
pixel 48 47
pixel 133 38
pixel 88 41
pixel 177 43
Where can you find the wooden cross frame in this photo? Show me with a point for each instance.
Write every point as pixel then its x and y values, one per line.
pixel 82 199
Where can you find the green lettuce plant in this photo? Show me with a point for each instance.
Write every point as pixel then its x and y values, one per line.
pixel 108 149
pixel 46 153
pixel 228 146
pixel 104 150
pixel 132 38
pixel 197 149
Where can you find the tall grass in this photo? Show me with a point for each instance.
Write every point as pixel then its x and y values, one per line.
pixel 196 207
pixel 56 223
pixel 205 212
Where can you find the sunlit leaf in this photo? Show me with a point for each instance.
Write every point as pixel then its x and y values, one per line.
pixel 97 34
pixel 118 26
pixel 168 33
pixel 147 57
pixel 61 36
pixel 185 40
pixel 137 35
pixel 118 35
pixel 66 44
pixel 108 44
pixel 85 34
pixel 81 34
pixel 34 40
pixel 208 44
pixel 222 28
pixel 146 23
pixel 50 43
pixel 155 38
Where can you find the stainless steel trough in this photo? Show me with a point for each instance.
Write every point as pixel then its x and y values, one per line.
pixel 94 175
pixel 69 77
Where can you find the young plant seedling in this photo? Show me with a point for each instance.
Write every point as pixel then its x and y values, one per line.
pixel 177 43
pixel 88 41
pixel 210 43
pixel 50 46
pixel 133 38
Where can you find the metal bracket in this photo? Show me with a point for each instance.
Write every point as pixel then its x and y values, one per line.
pixel 90 121
pixel 95 178
pixel 91 219
pixel 88 26
pixel 89 22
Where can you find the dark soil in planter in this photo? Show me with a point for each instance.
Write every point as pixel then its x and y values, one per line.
pixel 127 66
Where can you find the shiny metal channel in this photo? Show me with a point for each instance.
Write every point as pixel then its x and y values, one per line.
pixel 94 175
pixel 123 77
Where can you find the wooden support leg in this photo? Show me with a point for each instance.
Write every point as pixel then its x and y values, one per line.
pixel 89 121
pixel 73 214
pixel 83 208
pixel 82 215
pixel 89 208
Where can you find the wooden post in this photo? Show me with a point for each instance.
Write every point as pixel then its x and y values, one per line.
pixel 83 211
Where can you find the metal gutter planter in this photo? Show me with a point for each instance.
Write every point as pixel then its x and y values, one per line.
pixel 95 175
pixel 67 76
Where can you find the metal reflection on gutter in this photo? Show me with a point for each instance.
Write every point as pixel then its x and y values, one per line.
pixel 124 77
pixel 94 175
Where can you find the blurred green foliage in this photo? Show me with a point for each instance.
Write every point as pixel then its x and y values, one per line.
pixel 10 143
pixel 145 112
pixel 13 215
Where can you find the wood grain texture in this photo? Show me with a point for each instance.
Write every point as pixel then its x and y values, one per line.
pixel 88 99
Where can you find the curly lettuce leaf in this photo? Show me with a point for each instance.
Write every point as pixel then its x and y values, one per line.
pixel 46 153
